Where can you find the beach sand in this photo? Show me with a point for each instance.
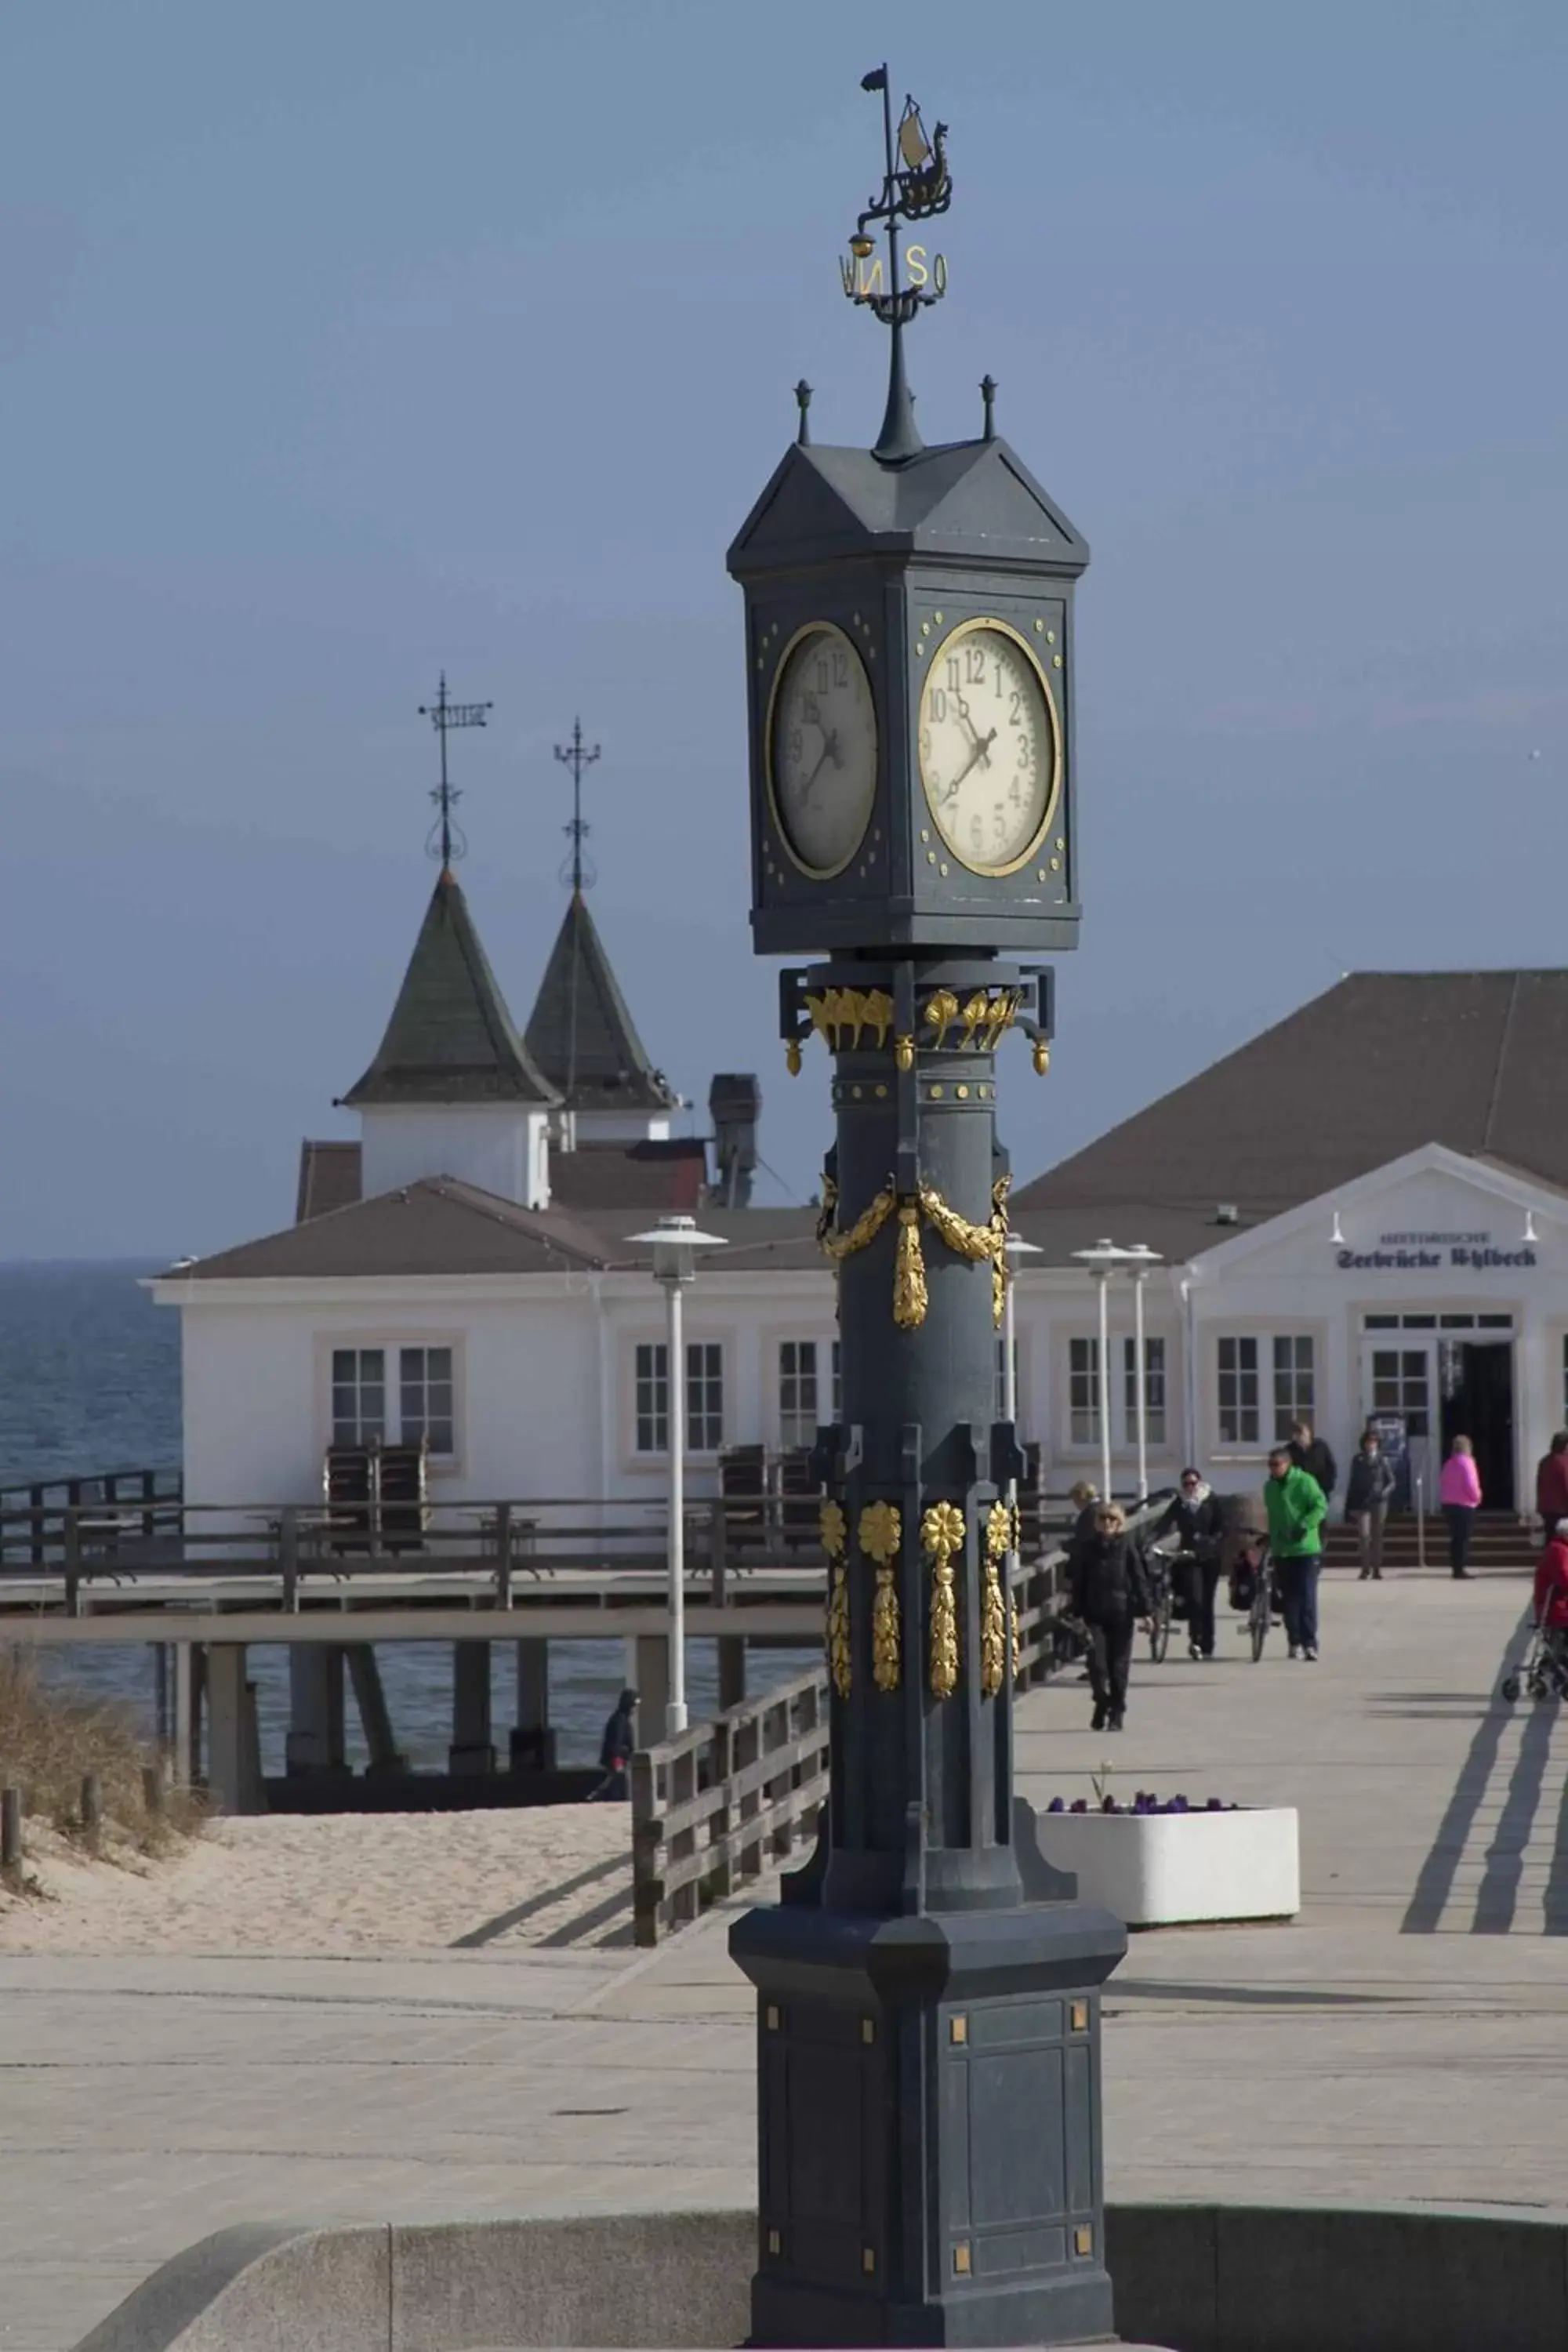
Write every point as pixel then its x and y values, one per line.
pixel 340 1884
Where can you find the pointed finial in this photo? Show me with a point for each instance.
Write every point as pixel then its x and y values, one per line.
pixel 988 394
pixel 446 841
pixel 803 402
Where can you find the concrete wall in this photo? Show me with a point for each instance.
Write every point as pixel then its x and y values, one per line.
pixel 1193 2278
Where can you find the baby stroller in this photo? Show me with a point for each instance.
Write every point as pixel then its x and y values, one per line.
pixel 1544 1674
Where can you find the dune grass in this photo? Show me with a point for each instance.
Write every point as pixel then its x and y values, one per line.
pixel 51 1740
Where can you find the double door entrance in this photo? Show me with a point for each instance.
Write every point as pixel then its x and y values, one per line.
pixel 1445 1376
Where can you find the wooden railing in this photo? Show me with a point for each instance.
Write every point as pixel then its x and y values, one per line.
pixel 113 1505
pixel 723 1802
pixel 726 1799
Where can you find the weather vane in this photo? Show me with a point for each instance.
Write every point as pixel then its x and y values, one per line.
pixel 446 840
pixel 916 187
pixel 576 756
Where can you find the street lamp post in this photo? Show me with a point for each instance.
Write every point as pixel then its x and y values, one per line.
pixel 1101 1261
pixel 675 1244
pixel 1143 1261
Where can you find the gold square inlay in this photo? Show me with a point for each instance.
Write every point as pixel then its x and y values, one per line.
pixel 1080 2017
pixel 868 2029
pixel 772 2020
pixel 961 2259
pixel 772 2242
pixel 868 2260
pixel 957 2029
pixel 1082 2240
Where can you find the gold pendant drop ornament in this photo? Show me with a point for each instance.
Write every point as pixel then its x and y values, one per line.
pixel 942 1535
pixel 909 1294
pixel 993 1608
pixel 880 1534
pixel 834 1533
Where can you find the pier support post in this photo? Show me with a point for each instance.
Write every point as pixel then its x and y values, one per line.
pixel 383 1757
pixel 651 1682
pixel 472 1749
pixel 533 1739
pixel 234 1747
pixel 315 1737
pixel 731 1670
pixel 185 1741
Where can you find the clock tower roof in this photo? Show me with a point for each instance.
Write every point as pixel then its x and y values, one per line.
pixel 581 1033
pixel 451 1038
pixel 974 503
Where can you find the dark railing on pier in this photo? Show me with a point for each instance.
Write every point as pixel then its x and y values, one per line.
pixel 725 1800
pixel 125 1539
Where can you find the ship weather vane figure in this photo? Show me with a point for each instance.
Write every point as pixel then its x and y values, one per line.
pixel 446 841
pixel 916 187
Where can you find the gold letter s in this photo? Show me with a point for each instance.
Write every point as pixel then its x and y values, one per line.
pixel 915 255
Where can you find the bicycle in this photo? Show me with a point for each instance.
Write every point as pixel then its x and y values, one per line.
pixel 1160 1607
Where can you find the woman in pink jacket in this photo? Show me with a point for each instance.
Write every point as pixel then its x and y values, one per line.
pixel 1459 1492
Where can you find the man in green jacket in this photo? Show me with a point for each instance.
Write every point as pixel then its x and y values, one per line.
pixel 1297 1506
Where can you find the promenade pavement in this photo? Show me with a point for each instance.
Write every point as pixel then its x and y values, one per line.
pixel 1406 2039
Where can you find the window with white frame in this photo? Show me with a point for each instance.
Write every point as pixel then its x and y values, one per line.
pixel 1293 1383
pixel 651 1397
pixel 838 1383
pixel 704 1396
pixel 359 1396
pixel 425 1399
pixel 1153 1389
pixel 1237 1365
pixel 1083 1392
pixel 417 1408
pixel 797 1392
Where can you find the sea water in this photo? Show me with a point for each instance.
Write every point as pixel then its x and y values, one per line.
pixel 90 1381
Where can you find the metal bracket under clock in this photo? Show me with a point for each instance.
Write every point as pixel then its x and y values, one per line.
pixel 845 1019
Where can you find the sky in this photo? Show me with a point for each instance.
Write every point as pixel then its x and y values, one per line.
pixel 342 343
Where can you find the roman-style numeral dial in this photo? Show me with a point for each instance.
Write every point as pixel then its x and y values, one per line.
pixel 822 749
pixel 990 747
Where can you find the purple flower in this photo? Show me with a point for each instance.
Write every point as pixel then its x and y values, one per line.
pixel 1078 1805
pixel 1057 1806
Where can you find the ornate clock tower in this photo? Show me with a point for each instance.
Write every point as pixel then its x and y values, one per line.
pixel 928 1996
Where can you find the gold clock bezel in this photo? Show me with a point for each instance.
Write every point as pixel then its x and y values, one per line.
pixel 1053 797
pixel 818 629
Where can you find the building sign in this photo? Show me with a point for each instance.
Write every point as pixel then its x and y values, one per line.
pixel 1424 1253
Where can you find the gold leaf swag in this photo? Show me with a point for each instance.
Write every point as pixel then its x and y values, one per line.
pixel 978 1243
pixel 941 1534
pixel 880 1534
pixel 999 1541
pixel 835 1535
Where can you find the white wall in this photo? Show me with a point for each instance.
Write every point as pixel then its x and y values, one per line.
pixel 501 1148
pixel 621 1126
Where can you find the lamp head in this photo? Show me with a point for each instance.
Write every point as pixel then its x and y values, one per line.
pixel 676 1245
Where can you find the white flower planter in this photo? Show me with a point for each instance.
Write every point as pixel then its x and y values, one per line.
pixel 1158 1870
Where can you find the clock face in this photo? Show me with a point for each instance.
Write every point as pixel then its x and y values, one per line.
pixel 822 749
pixel 990 747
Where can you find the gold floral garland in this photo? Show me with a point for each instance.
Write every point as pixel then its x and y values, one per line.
pixel 834 1534
pixel 941 1534
pixel 978 1243
pixel 880 1534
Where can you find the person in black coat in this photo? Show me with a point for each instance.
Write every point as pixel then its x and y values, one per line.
pixel 1315 1455
pixel 1194 1516
pixel 1369 1490
pixel 1110 1593
pixel 615 1751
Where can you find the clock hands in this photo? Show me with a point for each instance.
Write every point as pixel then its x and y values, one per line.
pixel 829 752
pixel 982 751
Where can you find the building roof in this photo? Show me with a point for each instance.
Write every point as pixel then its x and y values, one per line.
pixel 580 1033
pixel 451 1038
pixel 440 1226
pixel 656 1178
pixel 973 500
pixel 1377 1067
pixel 328 1178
